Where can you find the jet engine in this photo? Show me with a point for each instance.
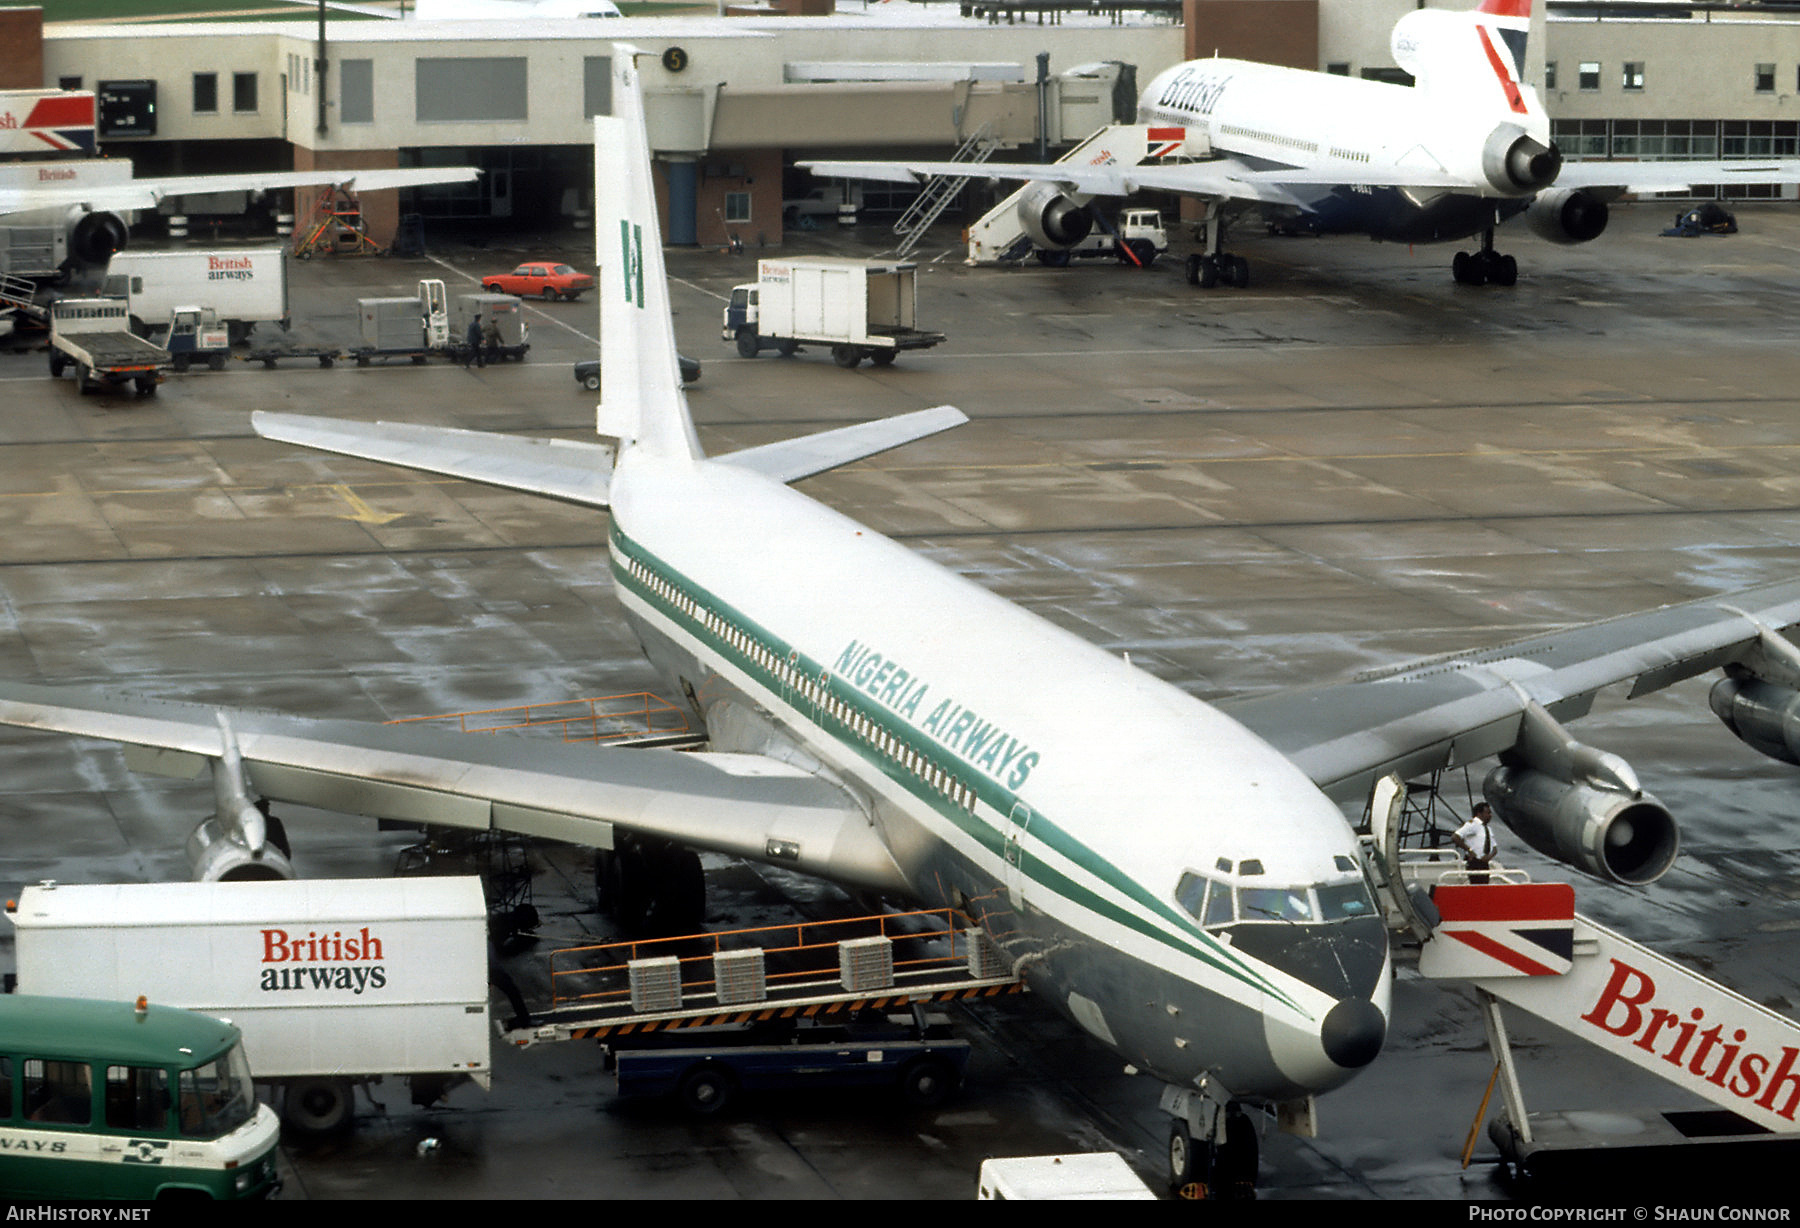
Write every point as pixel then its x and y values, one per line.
pixel 217 855
pixel 1580 805
pixel 94 237
pixel 1567 216
pixel 1620 837
pixel 1515 162
pixel 1764 715
pixel 1051 218
pixel 242 842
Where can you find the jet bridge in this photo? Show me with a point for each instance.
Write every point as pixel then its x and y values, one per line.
pixel 1523 944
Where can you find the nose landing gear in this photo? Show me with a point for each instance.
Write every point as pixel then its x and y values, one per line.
pixel 1213 1147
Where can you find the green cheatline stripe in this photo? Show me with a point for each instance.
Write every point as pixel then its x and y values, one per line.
pixel 1202 946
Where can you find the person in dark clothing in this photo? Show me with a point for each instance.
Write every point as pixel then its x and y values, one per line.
pixel 472 340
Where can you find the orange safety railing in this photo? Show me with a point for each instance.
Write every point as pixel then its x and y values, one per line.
pixel 605 718
pixel 800 952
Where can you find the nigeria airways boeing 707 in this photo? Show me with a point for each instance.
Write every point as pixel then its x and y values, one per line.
pixel 1178 879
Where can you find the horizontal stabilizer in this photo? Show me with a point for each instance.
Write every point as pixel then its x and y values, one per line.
pixel 1674 176
pixel 793 459
pixel 571 470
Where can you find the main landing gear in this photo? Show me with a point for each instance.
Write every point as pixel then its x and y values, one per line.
pixel 651 886
pixel 1486 267
pixel 1220 269
pixel 1214 266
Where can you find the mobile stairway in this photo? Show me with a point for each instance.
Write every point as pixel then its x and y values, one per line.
pixel 1523 944
pixel 998 237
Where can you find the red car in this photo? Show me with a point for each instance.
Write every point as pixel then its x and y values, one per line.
pixel 539 279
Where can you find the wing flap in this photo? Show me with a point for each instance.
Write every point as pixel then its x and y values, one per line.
pixel 746 805
pixel 789 460
pixel 570 470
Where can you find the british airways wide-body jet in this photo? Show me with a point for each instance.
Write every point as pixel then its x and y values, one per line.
pixel 1463 149
pixel 1179 880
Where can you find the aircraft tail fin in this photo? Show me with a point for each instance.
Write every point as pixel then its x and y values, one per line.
pixel 641 401
pixel 1479 53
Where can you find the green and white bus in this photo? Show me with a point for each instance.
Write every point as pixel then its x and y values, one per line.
pixel 122 1100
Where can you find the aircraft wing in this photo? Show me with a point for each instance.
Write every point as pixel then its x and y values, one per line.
pixel 571 470
pixel 1458 709
pixel 747 805
pixel 1224 178
pixel 1619 177
pixel 147 193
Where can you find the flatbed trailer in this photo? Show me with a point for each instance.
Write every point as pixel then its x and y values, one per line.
pixel 93 336
pixel 839 1002
pixel 910 1054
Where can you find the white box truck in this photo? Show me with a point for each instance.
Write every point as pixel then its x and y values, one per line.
pixel 860 308
pixel 333 982
pixel 1084 1175
pixel 244 286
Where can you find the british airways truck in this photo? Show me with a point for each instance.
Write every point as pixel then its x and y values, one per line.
pixel 244 286
pixel 335 983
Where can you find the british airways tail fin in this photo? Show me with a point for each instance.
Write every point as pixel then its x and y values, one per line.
pixel 1477 54
pixel 641 402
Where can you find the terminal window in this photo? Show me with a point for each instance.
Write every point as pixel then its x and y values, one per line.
pixel 1549 75
pixel 206 93
pixel 243 92
pixel 1589 76
pixel 1765 78
pixel 1633 76
pixel 737 208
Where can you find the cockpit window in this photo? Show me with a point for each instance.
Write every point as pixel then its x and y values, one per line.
pixel 1275 904
pixel 1190 893
pixel 1218 906
pixel 1213 902
pixel 1338 901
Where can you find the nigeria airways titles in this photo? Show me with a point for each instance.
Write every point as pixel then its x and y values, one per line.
pixel 981 743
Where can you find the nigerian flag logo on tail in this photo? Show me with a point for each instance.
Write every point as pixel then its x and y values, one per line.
pixel 631 245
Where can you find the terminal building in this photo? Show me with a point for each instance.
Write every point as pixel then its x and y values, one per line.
pixel 735 100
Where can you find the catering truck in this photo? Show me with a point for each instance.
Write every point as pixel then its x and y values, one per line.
pixel 860 308
pixel 93 336
pixel 244 287
pixel 335 984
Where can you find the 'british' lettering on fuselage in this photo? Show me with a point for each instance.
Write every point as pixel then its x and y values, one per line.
pixel 1194 90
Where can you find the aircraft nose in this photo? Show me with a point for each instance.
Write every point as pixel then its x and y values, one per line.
pixel 1320 1054
pixel 1353 1032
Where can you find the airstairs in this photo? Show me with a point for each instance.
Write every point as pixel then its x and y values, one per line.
pixel 942 190
pixel 998 237
pixel 1522 944
pixel 18 294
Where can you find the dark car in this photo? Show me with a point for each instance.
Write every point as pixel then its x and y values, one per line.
pixel 587 372
pixel 1705 219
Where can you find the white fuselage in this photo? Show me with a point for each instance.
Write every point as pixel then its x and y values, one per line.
pixel 1014 769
